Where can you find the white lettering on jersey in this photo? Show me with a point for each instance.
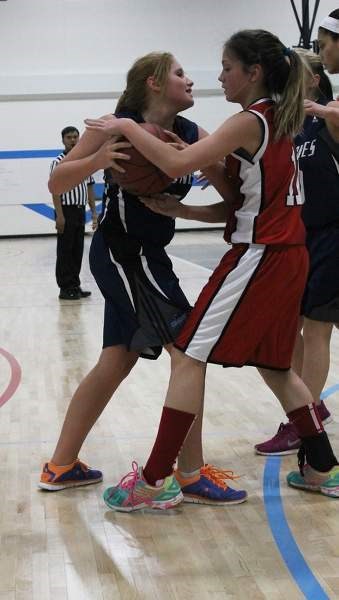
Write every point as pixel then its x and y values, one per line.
pixel 306 150
pixel 294 196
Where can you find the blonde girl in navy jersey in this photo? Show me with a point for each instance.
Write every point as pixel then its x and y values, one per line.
pixel 144 304
pixel 248 311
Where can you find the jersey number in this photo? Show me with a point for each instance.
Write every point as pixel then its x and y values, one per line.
pixel 294 196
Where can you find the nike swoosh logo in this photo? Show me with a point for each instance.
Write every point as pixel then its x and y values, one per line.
pixel 290 444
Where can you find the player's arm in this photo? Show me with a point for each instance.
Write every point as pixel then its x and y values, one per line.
pixel 169 206
pixel 83 160
pixel 330 113
pixel 209 213
pixel 59 215
pixel 241 130
pixel 216 175
pixel 91 203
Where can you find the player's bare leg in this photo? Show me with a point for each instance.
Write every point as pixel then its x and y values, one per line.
pixel 191 455
pixel 90 399
pixel 288 387
pixel 316 361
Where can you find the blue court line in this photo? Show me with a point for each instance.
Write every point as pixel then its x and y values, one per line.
pixel 329 391
pixel 294 560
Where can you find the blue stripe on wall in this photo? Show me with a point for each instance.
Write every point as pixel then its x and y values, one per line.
pixel 42 209
pixel 9 154
pixel 48 212
pixel 99 190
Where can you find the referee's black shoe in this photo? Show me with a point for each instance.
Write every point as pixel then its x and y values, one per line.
pixel 83 293
pixel 70 294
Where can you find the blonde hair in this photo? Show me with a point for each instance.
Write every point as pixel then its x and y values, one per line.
pixel 314 66
pixel 136 95
pixel 284 75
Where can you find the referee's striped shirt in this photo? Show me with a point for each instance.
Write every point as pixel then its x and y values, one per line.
pixel 78 196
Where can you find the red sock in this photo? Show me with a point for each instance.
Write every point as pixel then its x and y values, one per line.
pixel 306 420
pixel 173 429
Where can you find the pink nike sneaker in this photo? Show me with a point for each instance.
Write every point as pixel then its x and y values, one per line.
pixel 285 441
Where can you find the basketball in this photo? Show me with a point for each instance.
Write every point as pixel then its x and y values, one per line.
pixel 141 177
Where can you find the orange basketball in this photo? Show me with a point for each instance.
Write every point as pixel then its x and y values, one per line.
pixel 141 177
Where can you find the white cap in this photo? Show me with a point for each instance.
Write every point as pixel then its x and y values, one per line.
pixel 330 24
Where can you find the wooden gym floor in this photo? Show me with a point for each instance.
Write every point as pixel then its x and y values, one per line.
pixel 281 544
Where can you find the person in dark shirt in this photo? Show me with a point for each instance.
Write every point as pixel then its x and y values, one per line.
pixel 318 156
pixel 70 225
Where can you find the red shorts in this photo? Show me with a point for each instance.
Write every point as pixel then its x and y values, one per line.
pixel 247 313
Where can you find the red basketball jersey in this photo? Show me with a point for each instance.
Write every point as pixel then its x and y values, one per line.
pixel 269 209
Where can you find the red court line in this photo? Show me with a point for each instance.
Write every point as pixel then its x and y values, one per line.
pixel 15 377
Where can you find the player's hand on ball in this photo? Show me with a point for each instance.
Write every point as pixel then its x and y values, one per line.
pixel 109 153
pixel 177 142
pixel 163 204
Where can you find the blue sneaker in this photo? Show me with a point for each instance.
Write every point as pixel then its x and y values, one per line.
pixel 54 477
pixel 134 493
pixel 209 487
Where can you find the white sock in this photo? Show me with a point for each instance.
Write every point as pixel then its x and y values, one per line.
pixel 188 475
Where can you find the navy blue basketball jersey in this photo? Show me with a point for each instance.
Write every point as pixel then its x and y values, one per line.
pixel 319 173
pixel 126 223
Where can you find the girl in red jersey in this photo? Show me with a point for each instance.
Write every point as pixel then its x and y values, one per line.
pixel 247 314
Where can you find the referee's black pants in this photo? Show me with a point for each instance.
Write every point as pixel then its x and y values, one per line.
pixel 70 248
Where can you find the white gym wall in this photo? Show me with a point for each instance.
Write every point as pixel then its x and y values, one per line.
pixel 65 60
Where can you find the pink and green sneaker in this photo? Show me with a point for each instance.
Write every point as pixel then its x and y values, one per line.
pixel 316 481
pixel 134 493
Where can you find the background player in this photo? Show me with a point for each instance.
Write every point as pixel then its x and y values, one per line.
pixel 320 305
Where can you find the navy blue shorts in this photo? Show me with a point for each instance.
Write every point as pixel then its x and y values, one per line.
pixel 321 297
pixel 145 307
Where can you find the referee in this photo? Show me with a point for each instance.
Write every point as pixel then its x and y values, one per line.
pixel 70 225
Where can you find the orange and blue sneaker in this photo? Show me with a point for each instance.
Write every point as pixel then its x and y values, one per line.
pixel 55 478
pixel 209 487
pixel 134 493
pixel 316 481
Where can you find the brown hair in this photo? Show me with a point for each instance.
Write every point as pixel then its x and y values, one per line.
pixel 283 75
pixel 135 96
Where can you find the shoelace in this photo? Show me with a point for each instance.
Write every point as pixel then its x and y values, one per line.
pixel 218 476
pixel 301 459
pixel 129 482
pixel 81 464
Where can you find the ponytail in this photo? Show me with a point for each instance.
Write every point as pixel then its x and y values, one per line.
pixel 289 113
pixel 283 75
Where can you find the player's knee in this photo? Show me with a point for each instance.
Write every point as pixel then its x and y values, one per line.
pixel 182 362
